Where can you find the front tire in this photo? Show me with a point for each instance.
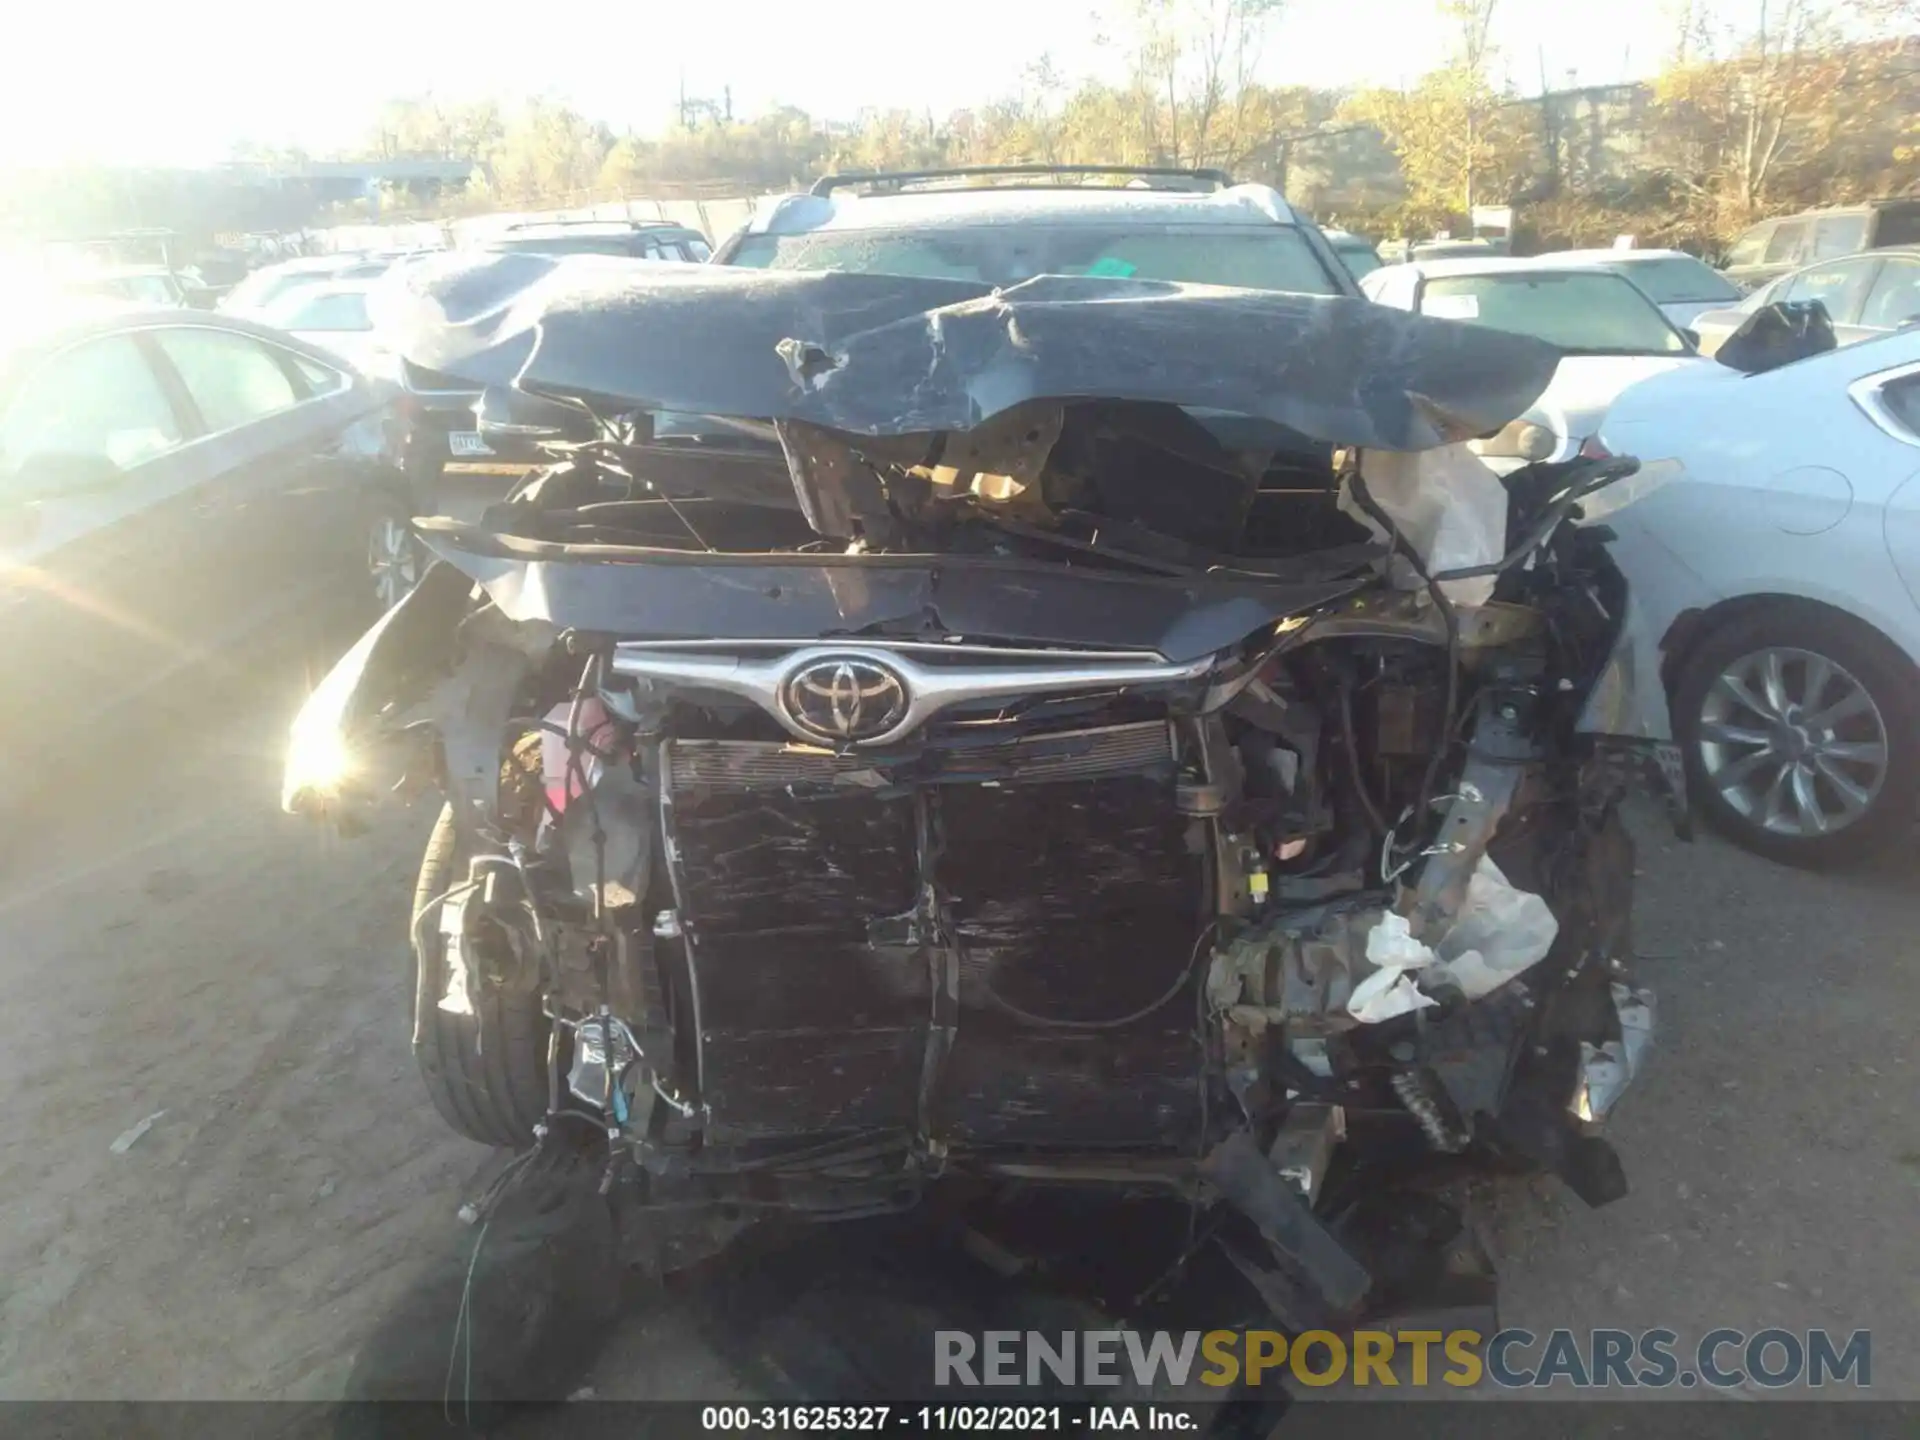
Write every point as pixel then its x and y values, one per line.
pixel 1793 725
pixel 485 1072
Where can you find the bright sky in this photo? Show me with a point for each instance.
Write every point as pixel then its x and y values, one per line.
pixel 180 83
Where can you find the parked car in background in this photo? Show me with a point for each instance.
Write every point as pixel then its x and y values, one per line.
pixel 1773 247
pixel 1005 224
pixel 131 257
pixel 254 295
pixel 334 317
pixel 171 484
pixel 639 239
pixel 1865 296
pixel 1609 334
pixel 1682 285
pixel 1356 252
pixel 1773 559
pixel 148 285
pixel 1464 249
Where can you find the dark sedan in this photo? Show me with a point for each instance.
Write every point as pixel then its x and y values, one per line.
pixel 171 484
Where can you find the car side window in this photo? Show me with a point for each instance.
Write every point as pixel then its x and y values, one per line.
pixel 1784 244
pixel 697 250
pixel 100 398
pixel 1895 298
pixel 1902 400
pixel 321 379
pixel 1836 235
pixel 1748 249
pixel 233 379
pixel 1840 287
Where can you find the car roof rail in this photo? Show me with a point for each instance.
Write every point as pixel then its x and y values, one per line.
pixel 627 221
pixel 894 179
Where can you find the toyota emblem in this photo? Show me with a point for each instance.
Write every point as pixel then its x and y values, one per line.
pixel 844 700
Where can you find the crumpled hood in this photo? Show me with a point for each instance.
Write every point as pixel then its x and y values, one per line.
pixel 891 355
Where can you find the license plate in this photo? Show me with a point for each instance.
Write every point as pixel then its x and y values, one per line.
pixel 467 442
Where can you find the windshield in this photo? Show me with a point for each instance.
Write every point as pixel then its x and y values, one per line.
pixel 140 289
pixel 1675 279
pixel 334 310
pixel 1582 312
pixel 1252 258
pixel 1360 257
pixel 265 287
pixel 1748 249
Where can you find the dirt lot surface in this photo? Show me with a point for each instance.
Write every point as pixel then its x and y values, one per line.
pixel 176 950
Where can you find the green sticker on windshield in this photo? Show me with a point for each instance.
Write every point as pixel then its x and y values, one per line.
pixel 1112 267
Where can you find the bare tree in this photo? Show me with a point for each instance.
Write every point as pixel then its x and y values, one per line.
pixel 1193 66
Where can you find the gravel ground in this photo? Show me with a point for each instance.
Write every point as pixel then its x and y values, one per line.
pixel 177 950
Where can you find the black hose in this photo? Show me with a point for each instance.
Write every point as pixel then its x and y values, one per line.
pixel 1363 497
pixel 1375 816
pixel 590 678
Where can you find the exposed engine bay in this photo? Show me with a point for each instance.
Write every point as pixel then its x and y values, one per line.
pixel 1174 793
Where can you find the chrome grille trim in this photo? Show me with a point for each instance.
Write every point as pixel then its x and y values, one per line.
pixel 899 647
pixel 930 689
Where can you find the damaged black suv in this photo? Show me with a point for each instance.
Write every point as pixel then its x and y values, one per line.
pixel 1093 733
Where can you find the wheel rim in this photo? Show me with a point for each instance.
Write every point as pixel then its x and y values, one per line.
pixel 392 560
pixel 1793 742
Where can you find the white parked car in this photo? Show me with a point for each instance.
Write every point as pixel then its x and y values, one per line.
pixel 263 288
pixel 1772 554
pixel 1609 333
pixel 1866 295
pixel 1684 286
pixel 333 316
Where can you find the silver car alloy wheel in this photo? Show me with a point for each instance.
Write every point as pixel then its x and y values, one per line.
pixel 1793 742
pixel 393 560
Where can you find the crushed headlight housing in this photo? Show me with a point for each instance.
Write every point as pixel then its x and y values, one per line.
pixel 322 766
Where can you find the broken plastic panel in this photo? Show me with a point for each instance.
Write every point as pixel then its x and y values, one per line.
pixel 1447 504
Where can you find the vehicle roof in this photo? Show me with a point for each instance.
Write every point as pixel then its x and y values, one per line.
pixel 603 227
pixel 40 316
pixel 62 319
pixel 1876 252
pixel 1858 207
pixel 118 272
pixel 1615 257
pixel 953 207
pixel 319 264
pixel 1909 248
pixel 1482 265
